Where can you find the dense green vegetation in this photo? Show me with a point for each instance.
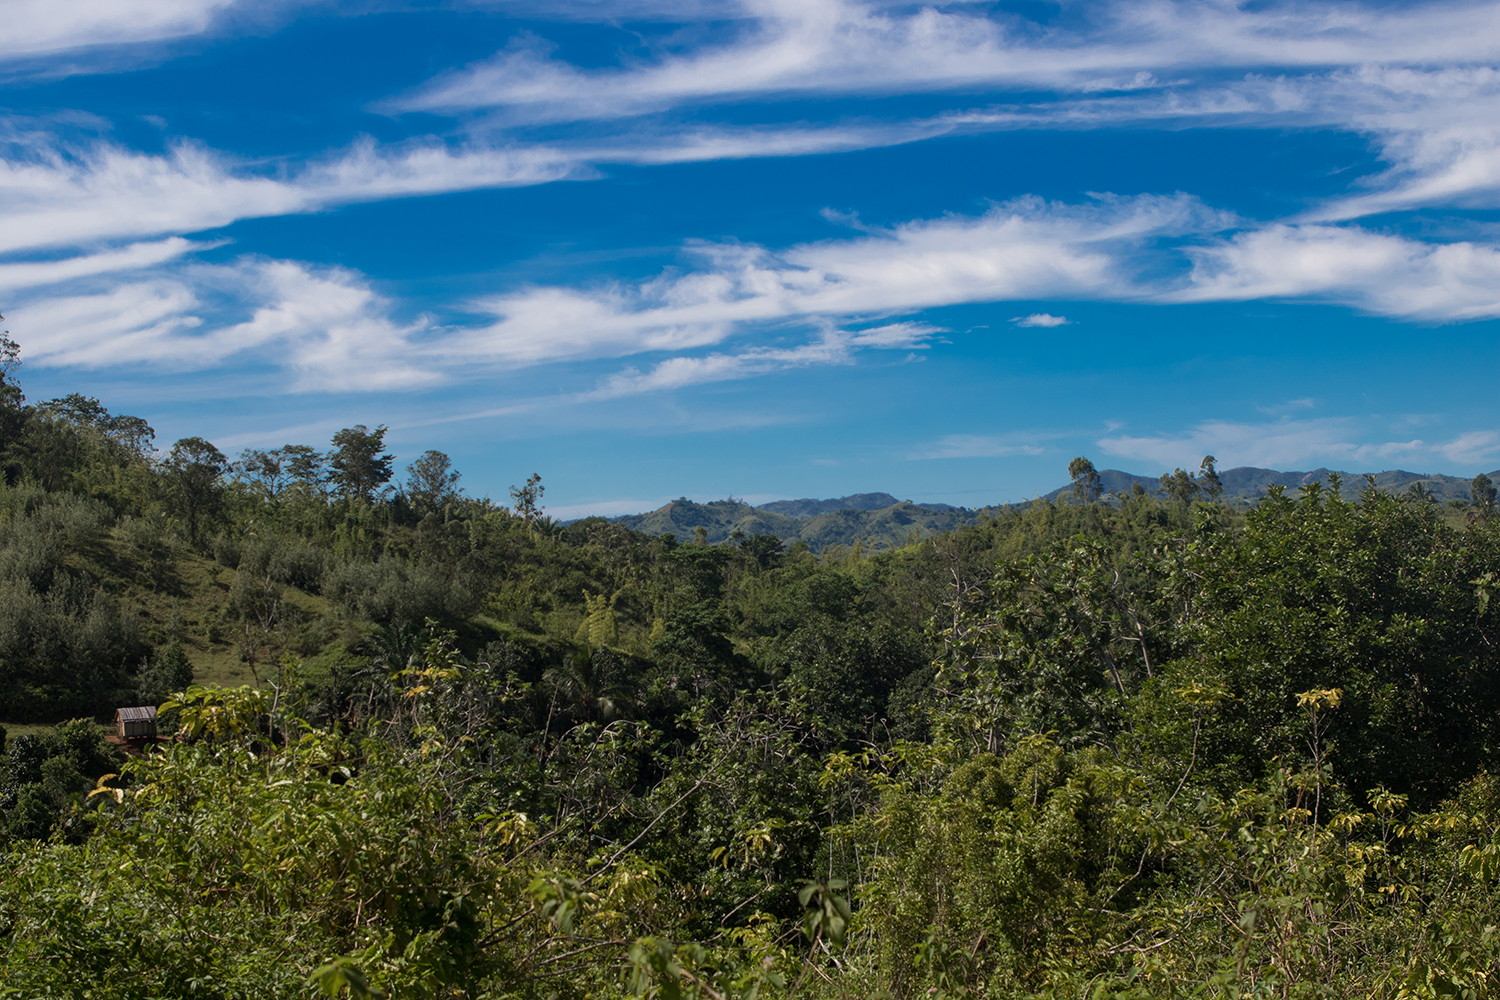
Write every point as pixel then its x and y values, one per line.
pixel 1157 747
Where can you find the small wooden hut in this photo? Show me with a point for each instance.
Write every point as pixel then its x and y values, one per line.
pixel 136 723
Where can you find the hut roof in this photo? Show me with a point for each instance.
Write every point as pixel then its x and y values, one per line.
pixel 136 714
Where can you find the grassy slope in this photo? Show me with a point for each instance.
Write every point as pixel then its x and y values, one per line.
pixel 185 596
pixel 190 604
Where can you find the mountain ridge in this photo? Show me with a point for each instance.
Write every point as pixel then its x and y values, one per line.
pixel 881 520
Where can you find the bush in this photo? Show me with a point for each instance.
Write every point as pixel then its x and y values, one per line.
pixel 394 592
pixel 169 672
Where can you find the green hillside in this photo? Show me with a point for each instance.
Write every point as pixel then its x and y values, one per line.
pixel 418 745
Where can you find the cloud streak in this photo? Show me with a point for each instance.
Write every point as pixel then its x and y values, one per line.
pixel 834 347
pixel 46 27
pixel 152 302
pixel 1019 250
pixel 1378 273
pixel 985 446
pixel 1421 80
pixel 782 47
pixel 1290 444
pixel 325 327
pixel 56 195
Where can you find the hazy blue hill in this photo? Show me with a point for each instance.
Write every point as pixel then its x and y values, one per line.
pixel 1114 481
pixel 1248 481
pixel 809 507
pixel 836 524
pixel 880 520
pixel 1247 484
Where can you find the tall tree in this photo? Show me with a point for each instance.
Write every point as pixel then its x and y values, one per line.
pixel 1180 486
pixel 528 501
pixel 1208 478
pixel 263 471
pixel 305 466
pixel 10 360
pixel 1087 486
pixel 78 408
pixel 131 433
pixel 1482 496
pixel 359 463
pixel 431 481
pixel 194 488
pixel 13 412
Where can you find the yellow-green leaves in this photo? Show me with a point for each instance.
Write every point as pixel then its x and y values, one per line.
pixel 218 713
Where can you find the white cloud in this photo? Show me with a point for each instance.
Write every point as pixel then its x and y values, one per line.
pixel 796 47
pixel 143 303
pixel 324 328
pixel 1415 78
pixel 1291 444
pixel 983 446
pixel 1388 275
pixel 1432 125
pixel 43 27
pixel 56 195
pixel 895 336
pixel 1040 319
pixel 1419 79
pixel 1471 448
pixel 1284 444
pixel 1025 249
pixel 834 347
pixel 34 274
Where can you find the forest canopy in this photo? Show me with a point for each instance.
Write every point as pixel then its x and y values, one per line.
pixel 420 744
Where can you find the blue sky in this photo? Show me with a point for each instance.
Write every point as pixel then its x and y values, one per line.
pixel 768 249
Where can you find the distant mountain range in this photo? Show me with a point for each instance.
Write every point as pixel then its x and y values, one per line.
pixel 877 518
pixel 880 520
pixel 1248 484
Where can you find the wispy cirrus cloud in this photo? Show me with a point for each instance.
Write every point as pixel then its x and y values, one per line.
pixel 45 27
pixel 1420 80
pixel 1432 124
pixel 1114 249
pixel 778 47
pixel 826 297
pixel 55 194
pixel 986 445
pixel 40 273
pixel 1019 250
pixel 834 347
